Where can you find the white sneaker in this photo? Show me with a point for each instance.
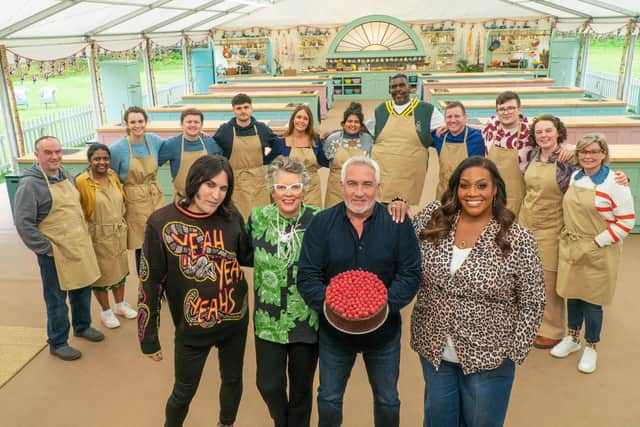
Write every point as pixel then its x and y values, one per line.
pixel 565 347
pixel 125 310
pixel 109 319
pixel 588 360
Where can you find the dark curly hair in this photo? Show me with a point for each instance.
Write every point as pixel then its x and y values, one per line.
pixel 443 218
pixel 557 123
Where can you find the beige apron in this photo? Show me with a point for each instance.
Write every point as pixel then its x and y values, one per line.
pixel 313 193
pixel 250 184
pixel 585 271
pixel 506 160
pixel 402 158
pixel 109 235
pixel 334 189
pixel 143 195
pixel 450 157
pixel 541 212
pixel 66 229
pixel 187 158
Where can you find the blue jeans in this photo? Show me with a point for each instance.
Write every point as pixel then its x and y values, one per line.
pixel 452 399
pixel 579 311
pixel 55 300
pixel 383 368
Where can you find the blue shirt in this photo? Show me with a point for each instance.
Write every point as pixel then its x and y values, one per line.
pixel 598 177
pixel 331 245
pixel 120 153
pixel 172 148
pixel 475 142
pixel 280 148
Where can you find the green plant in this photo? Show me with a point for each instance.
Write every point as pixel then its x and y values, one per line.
pixel 463 66
pixel 278 68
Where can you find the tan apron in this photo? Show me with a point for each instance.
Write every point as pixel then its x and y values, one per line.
pixel 250 184
pixel 541 212
pixel 402 158
pixel 450 157
pixel 313 193
pixel 109 235
pixel 506 160
pixel 187 158
pixel 334 189
pixel 143 195
pixel 585 271
pixel 66 229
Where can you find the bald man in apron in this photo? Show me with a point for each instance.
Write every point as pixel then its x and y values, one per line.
pixel 402 137
pixel 50 221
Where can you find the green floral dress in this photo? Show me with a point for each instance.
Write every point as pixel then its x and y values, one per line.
pixel 280 315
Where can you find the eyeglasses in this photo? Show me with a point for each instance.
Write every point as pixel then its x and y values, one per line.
pixel 509 109
pixel 589 152
pixel 294 188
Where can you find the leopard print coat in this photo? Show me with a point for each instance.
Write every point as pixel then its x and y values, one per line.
pixel 491 307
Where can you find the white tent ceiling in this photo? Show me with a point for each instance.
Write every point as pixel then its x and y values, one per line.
pixel 75 21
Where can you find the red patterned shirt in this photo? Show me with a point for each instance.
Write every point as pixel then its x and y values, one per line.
pixel 494 134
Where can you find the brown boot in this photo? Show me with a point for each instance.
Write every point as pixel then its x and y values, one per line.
pixel 544 342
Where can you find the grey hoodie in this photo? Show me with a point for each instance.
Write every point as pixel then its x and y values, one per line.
pixel 32 205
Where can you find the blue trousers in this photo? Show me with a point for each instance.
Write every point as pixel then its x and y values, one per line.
pixel 453 399
pixel 579 311
pixel 55 300
pixel 383 369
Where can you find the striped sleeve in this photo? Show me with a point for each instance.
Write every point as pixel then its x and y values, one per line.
pixel 615 203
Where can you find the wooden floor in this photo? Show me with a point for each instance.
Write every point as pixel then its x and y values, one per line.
pixel 114 385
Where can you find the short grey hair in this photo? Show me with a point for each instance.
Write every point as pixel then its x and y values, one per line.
pixel 361 160
pixel 286 164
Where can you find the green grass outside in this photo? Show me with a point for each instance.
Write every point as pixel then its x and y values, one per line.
pixel 605 56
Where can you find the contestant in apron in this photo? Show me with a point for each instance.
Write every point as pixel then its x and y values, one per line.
pixel 457 143
pixel 248 144
pixel 135 161
pixel 598 215
pixel 402 138
pixel 353 140
pixel 103 204
pixel 182 150
pixel 302 142
pixel 50 221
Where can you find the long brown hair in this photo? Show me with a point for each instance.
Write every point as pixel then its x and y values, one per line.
pixel 443 218
pixel 310 131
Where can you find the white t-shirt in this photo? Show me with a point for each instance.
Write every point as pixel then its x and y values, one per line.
pixel 457 258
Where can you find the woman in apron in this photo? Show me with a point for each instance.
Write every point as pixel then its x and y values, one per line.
pixel 302 142
pixel 598 214
pixel 103 204
pixel 135 161
pixel 353 140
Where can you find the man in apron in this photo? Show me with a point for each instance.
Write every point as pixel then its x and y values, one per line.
pixel 247 143
pixel 402 137
pixel 457 143
pixel 182 150
pixel 50 221
pixel 507 143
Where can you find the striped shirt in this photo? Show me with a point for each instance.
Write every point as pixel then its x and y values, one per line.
pixel 613 201
pixel 494 134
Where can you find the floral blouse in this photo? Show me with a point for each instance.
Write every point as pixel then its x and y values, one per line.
pixel 491 306
pixel 280 314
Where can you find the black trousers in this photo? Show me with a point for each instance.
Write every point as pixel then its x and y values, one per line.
pixel 274 362
pixel 189 363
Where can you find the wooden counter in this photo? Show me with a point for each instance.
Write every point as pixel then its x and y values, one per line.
pixel 525 92
pixel 323 89
pixel 166 129
pixel 505 83
pixel 298 77
pixel 557 107
pixel 266 111
pixel 261 97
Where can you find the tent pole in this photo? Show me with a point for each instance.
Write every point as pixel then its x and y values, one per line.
pixel 147 58
pixel 584 58
pixel 624 65
pixel 628 69
pixel 96 84
pixel 10 112
pixel 186 61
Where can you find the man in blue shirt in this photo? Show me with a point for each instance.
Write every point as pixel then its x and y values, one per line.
pixel 184 149
pixel 358 234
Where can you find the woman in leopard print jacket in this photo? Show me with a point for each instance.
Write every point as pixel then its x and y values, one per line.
pixel 480 302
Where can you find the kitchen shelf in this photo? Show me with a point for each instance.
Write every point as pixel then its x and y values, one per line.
pixel 347 85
